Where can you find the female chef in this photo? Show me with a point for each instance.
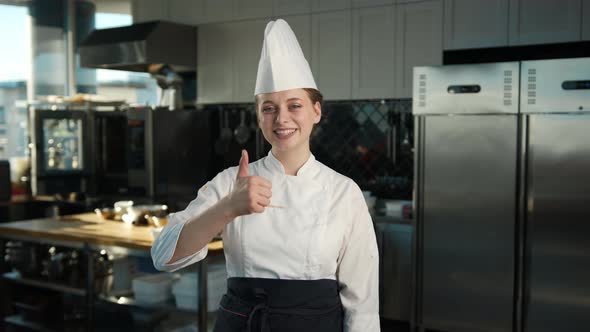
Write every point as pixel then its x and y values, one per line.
pixel 299 243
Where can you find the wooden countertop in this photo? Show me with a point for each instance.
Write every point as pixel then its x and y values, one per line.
pixel 87 228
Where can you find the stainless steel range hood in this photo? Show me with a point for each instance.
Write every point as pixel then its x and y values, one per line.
pixel 136 47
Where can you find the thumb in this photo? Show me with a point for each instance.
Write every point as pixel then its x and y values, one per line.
pixel 243 168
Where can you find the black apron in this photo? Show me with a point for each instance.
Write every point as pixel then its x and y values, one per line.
pixel 270 305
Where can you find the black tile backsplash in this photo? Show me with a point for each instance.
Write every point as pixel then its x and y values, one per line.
pixel 369 141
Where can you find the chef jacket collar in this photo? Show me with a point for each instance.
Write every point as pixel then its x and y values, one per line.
pixel 274 166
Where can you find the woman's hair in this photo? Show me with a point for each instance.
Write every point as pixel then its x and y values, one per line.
pixel 315 95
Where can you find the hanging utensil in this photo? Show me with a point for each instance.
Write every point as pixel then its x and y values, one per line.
pixel 383 108
pixel 222 144
pixel 391 137
pixel 226 133
pixel 242 132
pixel 406 146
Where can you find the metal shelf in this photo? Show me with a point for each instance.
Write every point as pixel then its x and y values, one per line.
pixel 44 284
pixel 18 320
pixel 130 301
pixel 68 104
pixel 203 318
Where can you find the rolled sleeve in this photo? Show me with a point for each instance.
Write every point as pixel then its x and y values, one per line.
pixel 164 246
pixel 358 271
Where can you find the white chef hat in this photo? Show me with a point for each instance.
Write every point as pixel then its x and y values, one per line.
pixel 282 64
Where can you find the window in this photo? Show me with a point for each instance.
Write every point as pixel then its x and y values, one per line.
pixel 15 68
pixel 132 87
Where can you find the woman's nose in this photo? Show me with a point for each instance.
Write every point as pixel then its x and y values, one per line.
pixel 282 115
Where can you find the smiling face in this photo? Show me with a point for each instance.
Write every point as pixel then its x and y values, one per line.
pixel 287 119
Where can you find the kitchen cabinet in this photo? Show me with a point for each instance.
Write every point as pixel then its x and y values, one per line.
pixel 328 5
pixel 331 47
pixel 252 9
pixel 586 20
pixel 290 7
pixel 218 10
pixel 247 40
pixel 370 3
pixel 301 26
pixel 373 53
pixel 418 41
pixel 214 63
pixel 475 23
pixel 544 21
pixel 186 11
pixel 149 10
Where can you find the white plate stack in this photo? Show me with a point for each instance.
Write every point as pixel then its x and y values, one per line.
pixel 187 295
pixel 153 288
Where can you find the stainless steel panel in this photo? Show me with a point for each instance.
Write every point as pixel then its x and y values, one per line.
pixel 558 227
pixel 467 222
pixel 542 90
pixel 498 89
pixel 394 241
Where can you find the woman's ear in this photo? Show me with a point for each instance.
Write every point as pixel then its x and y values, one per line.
pixel 317 109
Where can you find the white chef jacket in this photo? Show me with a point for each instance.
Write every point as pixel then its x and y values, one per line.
pixel 322 230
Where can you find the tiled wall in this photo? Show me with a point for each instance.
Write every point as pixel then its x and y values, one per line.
pixel 369 141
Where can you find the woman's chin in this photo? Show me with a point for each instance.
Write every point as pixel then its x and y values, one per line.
pixel 284 145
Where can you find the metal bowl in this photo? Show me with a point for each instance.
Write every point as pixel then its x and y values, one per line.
pixel 106 213
pixel 142 214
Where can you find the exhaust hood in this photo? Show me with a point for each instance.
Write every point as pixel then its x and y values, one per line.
pixel 138 46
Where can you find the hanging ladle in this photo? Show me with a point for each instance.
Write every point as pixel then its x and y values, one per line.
pixel 242 132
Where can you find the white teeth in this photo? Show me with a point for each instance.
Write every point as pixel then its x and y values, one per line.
pixel 284 132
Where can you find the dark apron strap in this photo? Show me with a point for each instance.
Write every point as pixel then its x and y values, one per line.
pixel 264 310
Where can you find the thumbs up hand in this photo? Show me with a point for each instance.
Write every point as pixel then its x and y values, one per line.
pixel 251 194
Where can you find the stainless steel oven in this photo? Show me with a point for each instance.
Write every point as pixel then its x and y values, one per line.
pixel 145 152
pixel 59 149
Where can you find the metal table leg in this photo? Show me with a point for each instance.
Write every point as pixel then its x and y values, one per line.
pixel 89 289
pixel 2 256
pixel 202 287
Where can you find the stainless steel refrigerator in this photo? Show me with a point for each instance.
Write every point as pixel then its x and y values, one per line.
pixel 502 197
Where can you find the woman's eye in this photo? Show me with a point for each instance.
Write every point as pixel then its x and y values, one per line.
pixel 295 106
pixel 268 109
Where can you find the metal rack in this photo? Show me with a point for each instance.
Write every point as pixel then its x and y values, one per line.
pixel 89 291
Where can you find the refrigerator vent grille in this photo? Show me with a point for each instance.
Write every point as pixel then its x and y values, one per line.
pixel 532 86
pixel 507 87
pixel 422 90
